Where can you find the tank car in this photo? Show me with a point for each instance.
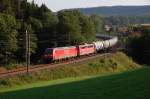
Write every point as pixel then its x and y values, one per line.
pixel 113 41
pixel 106 44
pixel 99 45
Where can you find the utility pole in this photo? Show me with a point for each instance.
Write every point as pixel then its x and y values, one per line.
pixel 6 56
pixel 27 51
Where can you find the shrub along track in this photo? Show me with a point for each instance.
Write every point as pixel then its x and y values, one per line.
pixel 23 70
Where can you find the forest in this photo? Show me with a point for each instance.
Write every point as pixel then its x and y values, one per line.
pixel 118 10
pixel 138 46
pixel 46 29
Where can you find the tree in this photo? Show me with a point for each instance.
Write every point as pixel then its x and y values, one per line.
pixel 139 47
pixel 8 35
pixel 19 16
pixel 75 28
pixel 98 22
pixel 36 24
pixel 88 29
pixel 69 27
pixel 21 52
pixel 47 35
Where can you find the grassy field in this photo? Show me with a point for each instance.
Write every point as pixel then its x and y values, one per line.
pixel 128 85
pixel 115 63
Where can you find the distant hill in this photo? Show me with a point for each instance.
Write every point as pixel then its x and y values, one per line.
pixel 118 10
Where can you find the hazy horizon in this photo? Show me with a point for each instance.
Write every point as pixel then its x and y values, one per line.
pixel 63 4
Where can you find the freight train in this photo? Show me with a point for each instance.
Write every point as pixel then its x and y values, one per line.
pixel 61 53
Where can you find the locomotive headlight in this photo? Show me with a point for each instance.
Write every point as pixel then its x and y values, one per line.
pixel 45 55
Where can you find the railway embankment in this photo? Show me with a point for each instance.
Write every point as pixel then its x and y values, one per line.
pixel 114 63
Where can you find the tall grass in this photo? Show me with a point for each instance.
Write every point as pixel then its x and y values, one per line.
pixel 117 62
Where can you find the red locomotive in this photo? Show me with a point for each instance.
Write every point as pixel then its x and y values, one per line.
pixel 86 49
pixel 59 53
pixel 53 54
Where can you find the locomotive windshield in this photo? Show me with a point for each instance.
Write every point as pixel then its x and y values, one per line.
pixel 49 51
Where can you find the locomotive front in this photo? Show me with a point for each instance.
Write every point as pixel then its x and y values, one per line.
pixel 48 55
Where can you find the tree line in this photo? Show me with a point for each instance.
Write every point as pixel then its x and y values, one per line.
pixel 126 20
pixel 138 46
pixel 46 29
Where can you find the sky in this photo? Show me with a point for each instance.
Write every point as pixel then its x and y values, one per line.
pixel 56 5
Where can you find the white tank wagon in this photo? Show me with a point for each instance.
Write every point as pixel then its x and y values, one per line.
pixel 98 45
pixel 113 41
pixel 109 41
pixel 106 44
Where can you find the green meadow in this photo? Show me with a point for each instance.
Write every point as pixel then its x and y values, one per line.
pixel 127 85
pixel 112 77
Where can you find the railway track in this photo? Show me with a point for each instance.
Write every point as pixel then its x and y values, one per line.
pixel 23 70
